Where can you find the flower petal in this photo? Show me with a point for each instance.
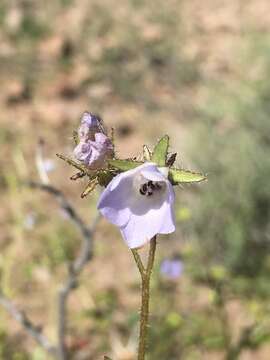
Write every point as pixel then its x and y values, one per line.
pixel 168 225
pixel 152 173
pixel 142 227
pixel 114 201
pixel 82 151
pixel 90 119
pixel 171 194
pixel 129 173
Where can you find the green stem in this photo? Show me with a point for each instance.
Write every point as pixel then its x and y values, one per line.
pixel 138 261
pixel 146 276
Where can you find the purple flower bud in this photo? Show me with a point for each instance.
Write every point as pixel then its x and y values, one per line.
pixel 90 125
pixel 172 268
pixel 82 151
pixel 94 154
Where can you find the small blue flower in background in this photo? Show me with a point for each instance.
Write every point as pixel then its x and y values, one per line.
pixel 49 165
pixel 30 220
pixel 172 268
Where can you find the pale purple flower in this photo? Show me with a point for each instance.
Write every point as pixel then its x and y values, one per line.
pixel 141 203
pixel 94 153
pixel 172 268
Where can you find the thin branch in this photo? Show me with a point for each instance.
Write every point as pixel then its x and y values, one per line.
pixel 85 254
pixel 75 268
pixel 69 210
pixel 71 283
pixel 34 331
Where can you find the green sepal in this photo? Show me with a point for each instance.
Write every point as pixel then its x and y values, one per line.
pixel 78 175
pixel 90 187
pixel 171 160
pixel 124 165
pixel 178 176
pixel 104 177
pixel 160 152
pixel 73 163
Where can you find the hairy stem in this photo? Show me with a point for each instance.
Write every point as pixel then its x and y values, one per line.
pixel 145 296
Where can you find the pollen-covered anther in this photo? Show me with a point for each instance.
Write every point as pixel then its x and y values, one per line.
pixel 148 188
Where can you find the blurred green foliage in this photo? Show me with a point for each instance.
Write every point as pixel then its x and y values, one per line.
pixel 233 134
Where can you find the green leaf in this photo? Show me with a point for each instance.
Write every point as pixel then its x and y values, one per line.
pixel 104 177
pixel 178 176
pixel 161 151
pixel 124 165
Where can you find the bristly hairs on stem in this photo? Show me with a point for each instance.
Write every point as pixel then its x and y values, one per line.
pixel 145 295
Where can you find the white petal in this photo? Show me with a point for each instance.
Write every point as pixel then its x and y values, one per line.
pixel 114 201
pixel 141 227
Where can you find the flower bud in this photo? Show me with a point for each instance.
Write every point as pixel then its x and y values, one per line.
pixel 90 125
pixel 94 154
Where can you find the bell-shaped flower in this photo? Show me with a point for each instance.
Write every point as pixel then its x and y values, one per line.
pixel 141 203
pixel 94 154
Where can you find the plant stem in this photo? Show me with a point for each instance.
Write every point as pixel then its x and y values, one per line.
pixel 145 296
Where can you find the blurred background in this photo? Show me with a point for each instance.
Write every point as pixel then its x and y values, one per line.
pixel 198 71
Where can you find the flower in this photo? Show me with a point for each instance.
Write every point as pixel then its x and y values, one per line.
pixel 172 268
pixel 140 202
pixel 94 146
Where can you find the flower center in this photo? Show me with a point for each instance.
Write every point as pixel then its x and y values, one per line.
pixel 148 188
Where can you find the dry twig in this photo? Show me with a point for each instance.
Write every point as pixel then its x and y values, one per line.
pixel 34 331
pixel 85 254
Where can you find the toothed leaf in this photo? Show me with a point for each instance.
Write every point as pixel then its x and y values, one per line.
pixel 178 176
pixel 161 151
pixel 124 165
pixel 146 153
